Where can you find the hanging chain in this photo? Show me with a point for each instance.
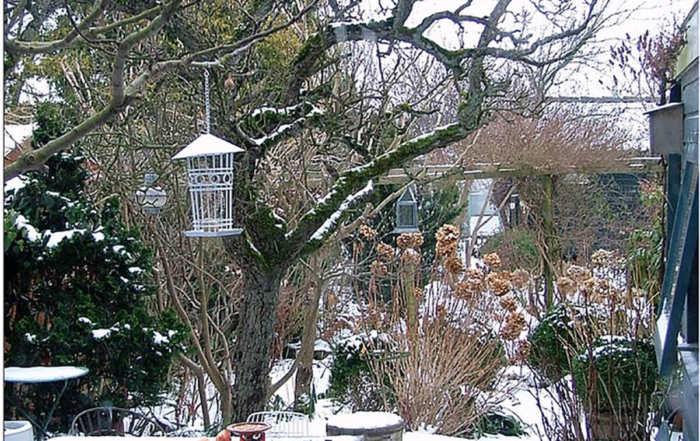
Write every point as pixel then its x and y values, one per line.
pixel 207 104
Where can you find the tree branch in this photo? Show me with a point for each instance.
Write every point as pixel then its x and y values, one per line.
pixel 33 48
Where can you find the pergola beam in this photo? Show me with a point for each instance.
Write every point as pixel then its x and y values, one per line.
pixel 644 164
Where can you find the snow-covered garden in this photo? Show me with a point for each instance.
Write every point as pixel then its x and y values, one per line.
pixel 438 219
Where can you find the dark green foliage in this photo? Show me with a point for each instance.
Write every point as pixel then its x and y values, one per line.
pixel 353 383
pixel 622 372
pixel 645 246
pixel 495 422
pixel 51 123
pixel 551 343
pixel 58 292
pixel 516 247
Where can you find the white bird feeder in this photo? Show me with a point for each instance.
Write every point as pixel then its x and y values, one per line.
pixel 211 179
pixel 150 198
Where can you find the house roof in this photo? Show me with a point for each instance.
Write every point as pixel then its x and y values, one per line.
pixel 16 135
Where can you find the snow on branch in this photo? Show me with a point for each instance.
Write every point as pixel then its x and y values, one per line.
pixel 282 129
pixel 333 218
pixel 275 111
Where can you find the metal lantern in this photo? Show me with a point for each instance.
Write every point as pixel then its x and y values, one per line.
pixel 151 199
pixel 407 212
pixel 211 178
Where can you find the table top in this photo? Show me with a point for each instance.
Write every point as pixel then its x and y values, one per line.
pixel 43 374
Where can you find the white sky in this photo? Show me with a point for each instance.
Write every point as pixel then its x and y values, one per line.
pixel 633 17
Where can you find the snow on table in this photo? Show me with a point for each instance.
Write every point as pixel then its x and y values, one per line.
pixel 43 374
pixel 364 420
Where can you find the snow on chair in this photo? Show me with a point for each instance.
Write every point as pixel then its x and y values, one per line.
pixel 284 424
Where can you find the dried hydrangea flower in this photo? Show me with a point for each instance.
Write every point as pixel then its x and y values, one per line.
pixel 368 233
pixel 385 252
pixel 566 287
pixel 465 291
pixel 410 240
pixel 447 240
pixel 578 273
pixel 498 285
pixel 603 257
pixel 508 303
pixel 474 273
pixel 377 268
pixel 493 261
pixel 454 265
pixel 520 278
pixel 515 323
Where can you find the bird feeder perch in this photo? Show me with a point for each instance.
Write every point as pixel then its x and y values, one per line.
pixel 211 180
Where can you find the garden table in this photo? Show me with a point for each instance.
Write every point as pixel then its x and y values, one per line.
pixel 43 374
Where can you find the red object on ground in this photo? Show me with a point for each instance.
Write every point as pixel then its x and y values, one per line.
pixel 249 431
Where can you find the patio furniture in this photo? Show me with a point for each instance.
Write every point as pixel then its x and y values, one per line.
pixel 42 374
pixel 284 424
pixel 111 421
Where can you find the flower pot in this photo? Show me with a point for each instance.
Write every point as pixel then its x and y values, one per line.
pixel 18 431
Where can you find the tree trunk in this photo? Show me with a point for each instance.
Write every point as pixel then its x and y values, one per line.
pixel 305 373
pixel 253 342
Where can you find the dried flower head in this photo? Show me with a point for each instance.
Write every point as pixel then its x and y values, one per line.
pixel 385 252
pixel 454 265
pixel 410 257
pixel 447 240
pixel 474 273
pixel 515 323
pixel 367 232
pixel 520 278
pixel 588 288
pixel 377 268
pixel 522 351
pixel 508 303
pixel 603 258
pixel 410 240
pixel 566 287
pixel 578 273
pixel 498 285
pixel 465 291
pixel 603 289
pixel 472 284
pixel 419 293
pixel 493 261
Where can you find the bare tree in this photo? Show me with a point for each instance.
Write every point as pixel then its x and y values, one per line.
pixel 362 117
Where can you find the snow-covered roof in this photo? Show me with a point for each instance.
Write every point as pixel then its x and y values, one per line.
pixel 16 134
pixel 43 374
pixel 207 144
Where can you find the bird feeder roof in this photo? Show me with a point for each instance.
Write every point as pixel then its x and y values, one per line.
pixel 207 145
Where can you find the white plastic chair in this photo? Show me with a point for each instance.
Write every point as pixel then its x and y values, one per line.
pixel 284 424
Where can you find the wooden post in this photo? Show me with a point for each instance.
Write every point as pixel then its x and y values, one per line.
pixel 549 239
pixel 411 306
